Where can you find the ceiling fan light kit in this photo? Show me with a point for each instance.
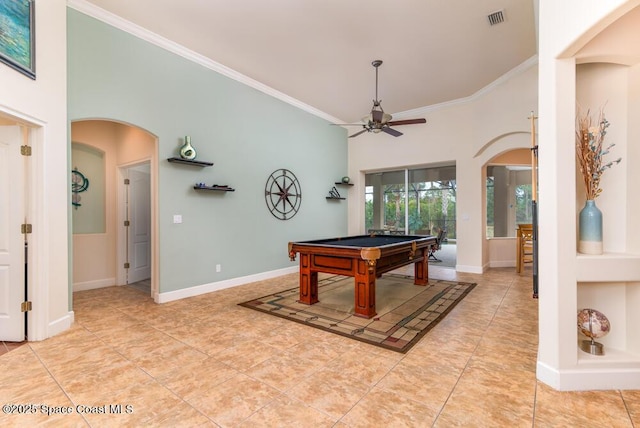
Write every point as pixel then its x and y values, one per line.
pixel 378 121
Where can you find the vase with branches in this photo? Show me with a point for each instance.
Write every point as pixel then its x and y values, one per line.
pixel 591 152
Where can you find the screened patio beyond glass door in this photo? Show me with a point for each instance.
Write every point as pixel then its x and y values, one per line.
pixel 411 201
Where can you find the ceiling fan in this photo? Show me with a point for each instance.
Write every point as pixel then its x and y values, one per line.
pixel 378 120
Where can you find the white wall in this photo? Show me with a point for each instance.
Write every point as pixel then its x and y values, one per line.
pixel 41 105
pixel 468 133
pixel 565 27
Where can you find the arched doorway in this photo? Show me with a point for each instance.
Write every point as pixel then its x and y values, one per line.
pixel 105 253
pixel 508 202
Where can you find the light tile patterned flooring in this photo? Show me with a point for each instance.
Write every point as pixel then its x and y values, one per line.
pixel 205 361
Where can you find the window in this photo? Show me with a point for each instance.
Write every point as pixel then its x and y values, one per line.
pixel 417 201
pixel 509 197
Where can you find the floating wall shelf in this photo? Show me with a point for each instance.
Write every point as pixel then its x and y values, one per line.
pixel 334 195
pixel 190 162
pixel 215 188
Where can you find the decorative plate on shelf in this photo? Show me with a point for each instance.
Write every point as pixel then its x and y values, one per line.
pixel 593 323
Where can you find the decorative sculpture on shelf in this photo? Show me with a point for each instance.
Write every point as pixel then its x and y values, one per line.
pixel 593 324
pixel 187 151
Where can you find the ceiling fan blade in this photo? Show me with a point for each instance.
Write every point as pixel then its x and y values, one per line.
pixel 391 131
pixel 377 115
pixel 358 133
pixel 347 124
pixel 406 122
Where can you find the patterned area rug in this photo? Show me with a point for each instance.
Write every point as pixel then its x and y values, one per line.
pixel 405 312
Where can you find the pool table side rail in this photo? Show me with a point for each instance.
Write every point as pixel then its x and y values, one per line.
pixel 327 246
pixel 366 240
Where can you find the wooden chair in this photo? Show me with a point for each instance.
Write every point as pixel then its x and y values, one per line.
pixel 438 245
pixel 524 246
pixel 376 231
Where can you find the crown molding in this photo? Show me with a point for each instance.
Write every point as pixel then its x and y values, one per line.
pixel 115 21
pixel 521 68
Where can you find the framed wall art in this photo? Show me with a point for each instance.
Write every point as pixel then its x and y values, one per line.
pixel 17 35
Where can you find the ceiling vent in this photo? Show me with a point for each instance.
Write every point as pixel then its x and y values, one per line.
pixel 496 17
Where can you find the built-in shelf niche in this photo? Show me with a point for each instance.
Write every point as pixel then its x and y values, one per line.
pixel 618 301
pixel 608 267
pixel 610 282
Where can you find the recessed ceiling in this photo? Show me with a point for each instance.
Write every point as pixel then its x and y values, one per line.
pixel 319 52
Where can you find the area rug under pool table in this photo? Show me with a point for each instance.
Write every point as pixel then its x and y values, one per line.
pixel 405 311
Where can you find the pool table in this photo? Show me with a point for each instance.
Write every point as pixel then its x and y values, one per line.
pixel 363 257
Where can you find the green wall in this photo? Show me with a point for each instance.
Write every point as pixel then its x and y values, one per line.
pixel 246 133
pixel 88 212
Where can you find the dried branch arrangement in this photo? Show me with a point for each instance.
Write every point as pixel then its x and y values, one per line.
pixel 590 151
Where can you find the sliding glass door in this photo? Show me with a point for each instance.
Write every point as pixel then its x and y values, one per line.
pixel 385 201
pixel 411 201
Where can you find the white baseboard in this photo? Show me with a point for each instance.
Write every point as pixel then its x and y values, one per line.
pixel 502 263
pixel 90 285
pixel 469 269
pixel 61 324
pixel 221 285
pixel 589 380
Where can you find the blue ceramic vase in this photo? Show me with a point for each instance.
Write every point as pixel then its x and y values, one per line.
pixel 590 229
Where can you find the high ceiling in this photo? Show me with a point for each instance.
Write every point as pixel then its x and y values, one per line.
pixel 319 52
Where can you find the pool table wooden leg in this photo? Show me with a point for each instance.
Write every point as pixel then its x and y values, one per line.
pixel 421 270
pixel 308 281
pixel 365 290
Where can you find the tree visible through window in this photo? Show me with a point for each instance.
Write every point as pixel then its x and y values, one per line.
pixel 508 199
pixel 415 205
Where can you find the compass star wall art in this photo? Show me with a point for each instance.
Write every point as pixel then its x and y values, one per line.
pixel 283 194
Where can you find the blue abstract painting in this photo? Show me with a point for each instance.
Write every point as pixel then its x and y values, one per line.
pixel 17 35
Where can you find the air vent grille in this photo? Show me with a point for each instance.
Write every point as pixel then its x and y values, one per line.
pixel 496 17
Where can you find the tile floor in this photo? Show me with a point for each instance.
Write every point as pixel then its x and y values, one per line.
pixel 9 346
pixel 205 361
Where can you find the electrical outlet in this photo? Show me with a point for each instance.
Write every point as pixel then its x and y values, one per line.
pixel 177 218
pixel 218 268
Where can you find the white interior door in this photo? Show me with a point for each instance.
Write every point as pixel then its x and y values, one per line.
pixel 12 215
pixel 139 239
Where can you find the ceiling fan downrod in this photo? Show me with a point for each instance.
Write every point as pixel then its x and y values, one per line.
pixel 376 63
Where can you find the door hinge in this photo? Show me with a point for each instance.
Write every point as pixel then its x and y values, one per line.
pixel 127 223
pixel 25 150
pixel 126 181
pixel 25 306
pixel 126 265
pixel 26 228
